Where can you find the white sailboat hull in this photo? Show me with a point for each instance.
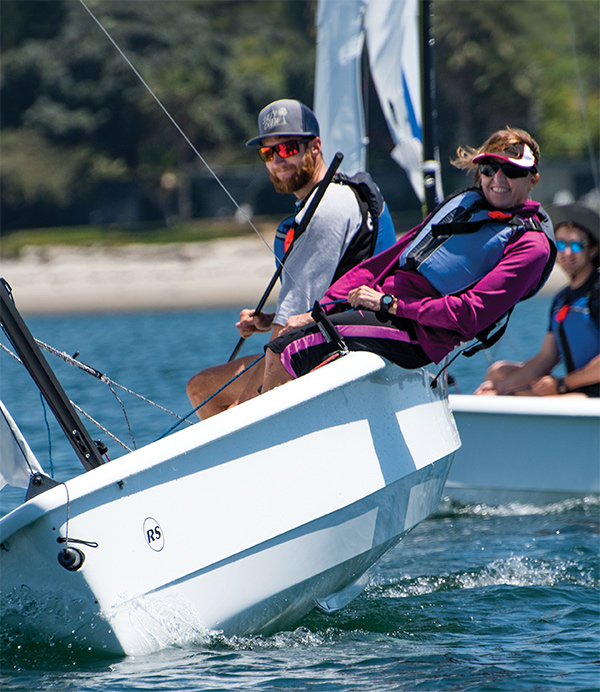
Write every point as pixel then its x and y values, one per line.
pixel 525 449
pixel 241 523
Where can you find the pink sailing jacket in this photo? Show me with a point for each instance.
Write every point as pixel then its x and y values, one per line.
pixel 443 322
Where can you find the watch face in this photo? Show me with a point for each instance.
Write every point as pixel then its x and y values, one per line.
pixel 387 300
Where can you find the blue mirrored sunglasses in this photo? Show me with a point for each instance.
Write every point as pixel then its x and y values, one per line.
pixel 575 245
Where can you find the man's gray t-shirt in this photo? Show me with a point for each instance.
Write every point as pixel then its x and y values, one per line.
pixel 310 267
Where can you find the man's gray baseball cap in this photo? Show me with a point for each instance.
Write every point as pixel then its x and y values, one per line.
pixel 285 118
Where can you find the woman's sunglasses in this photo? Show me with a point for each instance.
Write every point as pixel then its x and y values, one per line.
pixel 283 149
pixel 575 245
pixel 510 171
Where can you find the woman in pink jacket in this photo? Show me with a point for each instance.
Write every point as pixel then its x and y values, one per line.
pixel 481 251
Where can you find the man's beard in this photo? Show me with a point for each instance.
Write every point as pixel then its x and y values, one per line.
pixel 301 177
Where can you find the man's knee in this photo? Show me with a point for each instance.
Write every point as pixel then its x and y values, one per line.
pixel 233 376
pixel 198 386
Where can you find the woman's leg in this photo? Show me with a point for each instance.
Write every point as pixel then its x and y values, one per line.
pixel 303 349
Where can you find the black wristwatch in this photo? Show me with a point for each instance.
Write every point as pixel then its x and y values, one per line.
pixel 561 386
pixel 386 302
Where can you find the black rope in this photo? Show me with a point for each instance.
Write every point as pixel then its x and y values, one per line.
pixel 433 384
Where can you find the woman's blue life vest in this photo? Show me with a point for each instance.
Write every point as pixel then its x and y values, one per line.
pixel 575 326
pixel 464 238
pixel 377 232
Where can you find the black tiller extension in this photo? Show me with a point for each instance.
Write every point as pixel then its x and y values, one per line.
pixel 310 211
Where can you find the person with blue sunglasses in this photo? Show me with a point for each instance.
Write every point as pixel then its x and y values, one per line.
pixel 573 336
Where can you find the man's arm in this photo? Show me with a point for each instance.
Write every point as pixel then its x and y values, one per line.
pixel 588 374
pixel 541 364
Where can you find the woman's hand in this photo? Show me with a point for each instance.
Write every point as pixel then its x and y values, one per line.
pixel 365 297
pixel 250 322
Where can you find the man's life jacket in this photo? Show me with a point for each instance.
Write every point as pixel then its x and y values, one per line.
pixel 464 238
pixel 575 325
pixel 376 233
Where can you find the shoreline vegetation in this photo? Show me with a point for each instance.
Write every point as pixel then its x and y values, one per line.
pixel 111 235
pixel 192 266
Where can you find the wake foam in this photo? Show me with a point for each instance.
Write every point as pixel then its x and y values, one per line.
pixel 513 571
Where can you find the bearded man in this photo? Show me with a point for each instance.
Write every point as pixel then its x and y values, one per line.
pixel 342 232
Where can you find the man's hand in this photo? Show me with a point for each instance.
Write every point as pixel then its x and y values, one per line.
pixel 486 388
pixel 250 322
pixel 365 297
pixel 545 386
pixel 296 321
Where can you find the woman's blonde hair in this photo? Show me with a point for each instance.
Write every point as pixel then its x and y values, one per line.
pixel 508 141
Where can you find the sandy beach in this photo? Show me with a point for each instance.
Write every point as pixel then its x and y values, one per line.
pixel 231 272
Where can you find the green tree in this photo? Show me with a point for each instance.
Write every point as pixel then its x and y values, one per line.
pixel 212 63
pixel 514 62
pixel 70 101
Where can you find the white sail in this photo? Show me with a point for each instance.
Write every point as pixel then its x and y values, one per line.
pixel 17 461
pixel 338 100
pixel 392 31
pixel 391 28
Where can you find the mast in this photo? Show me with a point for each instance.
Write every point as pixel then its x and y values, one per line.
pixel 429 107
pixel 24 344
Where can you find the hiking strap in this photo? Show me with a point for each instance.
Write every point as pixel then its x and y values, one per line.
pixel 486 338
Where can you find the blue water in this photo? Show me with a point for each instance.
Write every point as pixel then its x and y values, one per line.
pixel 476 598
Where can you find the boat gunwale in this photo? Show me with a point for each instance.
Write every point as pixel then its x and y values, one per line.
pixel 525 405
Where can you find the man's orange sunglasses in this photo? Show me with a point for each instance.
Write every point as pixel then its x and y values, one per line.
pixel 284 149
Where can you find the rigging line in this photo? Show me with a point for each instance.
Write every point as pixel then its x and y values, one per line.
pixel 233 379
pixel 100 426
pixel 125 415
pixel 70 360
pixel 166 112
pixel 186 138
pixel 49 433
pixel 68 516
pixel 10 353
pixel 586 122
pixel 83 413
